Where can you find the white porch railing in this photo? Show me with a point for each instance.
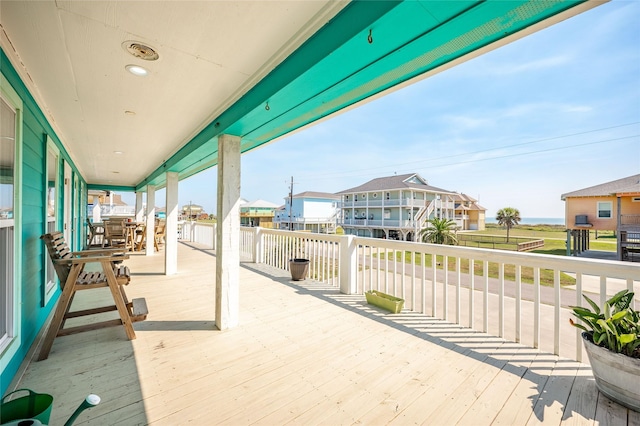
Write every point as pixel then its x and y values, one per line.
pixel 481 289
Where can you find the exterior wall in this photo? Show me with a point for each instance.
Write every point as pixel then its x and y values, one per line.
pixel 315 209
pixel 34 308
pixel 314 215
pixel 589 206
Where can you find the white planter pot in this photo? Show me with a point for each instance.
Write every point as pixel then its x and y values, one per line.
pixel 617 376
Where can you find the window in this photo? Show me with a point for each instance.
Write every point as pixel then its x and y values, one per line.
pixel 7 170
pixel 10 241
pixel 52 181
pixel 604 209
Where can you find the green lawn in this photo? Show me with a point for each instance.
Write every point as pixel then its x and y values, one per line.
pixel 554 237
pixel 546 275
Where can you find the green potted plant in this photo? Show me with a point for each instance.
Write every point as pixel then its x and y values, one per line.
pixel 612 340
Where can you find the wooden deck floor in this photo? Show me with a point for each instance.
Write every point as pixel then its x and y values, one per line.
pixel 304 354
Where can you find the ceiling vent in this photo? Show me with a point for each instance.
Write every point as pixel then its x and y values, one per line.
pixel 140 50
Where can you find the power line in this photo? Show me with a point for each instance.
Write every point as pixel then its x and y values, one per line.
pixel 376 170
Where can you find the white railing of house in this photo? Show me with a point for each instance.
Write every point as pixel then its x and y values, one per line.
pixel 106 210
pixel 357 264
pixel 200 232
pixel 509 308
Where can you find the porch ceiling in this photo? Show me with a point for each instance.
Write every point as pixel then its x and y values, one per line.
pixel 254 69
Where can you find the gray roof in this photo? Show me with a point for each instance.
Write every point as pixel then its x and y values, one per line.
pixel 395 182
pixel 628 185
pixel 312 194
pixel 259 203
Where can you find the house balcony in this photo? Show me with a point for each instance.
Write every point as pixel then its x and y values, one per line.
pixel 257 214
pixel 315 352
pixel 378 223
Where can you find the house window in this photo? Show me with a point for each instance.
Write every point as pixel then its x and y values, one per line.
pixel 10 159
pixel 604 209
pixel 51 203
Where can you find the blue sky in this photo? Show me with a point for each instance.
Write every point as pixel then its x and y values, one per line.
pixel 551 113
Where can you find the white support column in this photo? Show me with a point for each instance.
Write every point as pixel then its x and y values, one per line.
pixel 151 219
pixel 348 264
pixel 228 233
pixel 171 230
pixel 139 207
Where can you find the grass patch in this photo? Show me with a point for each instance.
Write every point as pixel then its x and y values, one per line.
pixel 546 275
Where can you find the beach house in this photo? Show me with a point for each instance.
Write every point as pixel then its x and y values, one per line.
pixel 257 213
pixel 469 215
pixel 609 206
pixel 309 211
pixel 394 207
pixel 136 96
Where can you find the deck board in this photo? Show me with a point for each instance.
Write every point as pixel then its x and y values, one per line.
pixel 303 354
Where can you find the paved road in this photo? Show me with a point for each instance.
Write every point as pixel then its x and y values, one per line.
pixel 590 284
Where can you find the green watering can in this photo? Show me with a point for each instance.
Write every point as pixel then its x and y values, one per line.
pixel 34 409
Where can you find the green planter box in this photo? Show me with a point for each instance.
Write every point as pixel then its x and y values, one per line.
pixel 384 301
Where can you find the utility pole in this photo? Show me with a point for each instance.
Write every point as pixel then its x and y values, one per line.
pixel 290 204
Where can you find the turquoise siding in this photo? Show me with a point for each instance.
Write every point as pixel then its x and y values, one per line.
pixel 34 148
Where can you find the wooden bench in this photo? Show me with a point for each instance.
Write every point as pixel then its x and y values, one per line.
pixel 70 267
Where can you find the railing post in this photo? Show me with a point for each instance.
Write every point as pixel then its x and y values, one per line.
pixel 348 264
pixel 257 245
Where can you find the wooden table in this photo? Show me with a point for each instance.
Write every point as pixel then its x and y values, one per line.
pixel 131 228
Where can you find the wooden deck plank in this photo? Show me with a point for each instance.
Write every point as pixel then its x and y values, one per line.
pixel 610 413
pixel 581 406
pixel 303 354
pixel 549 407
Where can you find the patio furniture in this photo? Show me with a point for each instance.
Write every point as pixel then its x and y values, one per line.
pixel 96 230
pixel 116 233
pixel 159 234
pixel 140 236
pixel 70 268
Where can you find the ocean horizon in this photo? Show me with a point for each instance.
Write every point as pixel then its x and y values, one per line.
pixel 534 220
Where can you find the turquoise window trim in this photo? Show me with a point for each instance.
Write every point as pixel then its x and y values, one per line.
pixel 10 349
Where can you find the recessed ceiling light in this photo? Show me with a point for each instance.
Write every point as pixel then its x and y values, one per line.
pixel 118 152
pixel 137 70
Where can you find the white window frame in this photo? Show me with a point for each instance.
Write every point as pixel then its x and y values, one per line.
pixel 601 208
pixel 49 286
pixel 11 341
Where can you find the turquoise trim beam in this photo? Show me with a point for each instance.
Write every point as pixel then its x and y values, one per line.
pixel 339 66
pixel 116 188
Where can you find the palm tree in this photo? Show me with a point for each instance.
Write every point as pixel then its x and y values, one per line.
pixel 439 231
pixel 508 217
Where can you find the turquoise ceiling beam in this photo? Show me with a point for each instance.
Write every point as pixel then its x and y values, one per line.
pixel 367 48
pixel 115 188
